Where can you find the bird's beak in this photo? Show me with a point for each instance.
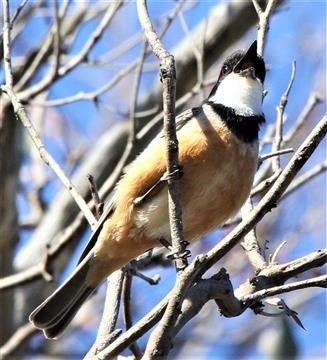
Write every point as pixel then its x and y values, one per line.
pixel 247 65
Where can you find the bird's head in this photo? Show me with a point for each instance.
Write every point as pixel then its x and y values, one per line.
pixel 240 82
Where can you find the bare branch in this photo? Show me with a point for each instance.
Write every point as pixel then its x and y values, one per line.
pixel 168 78
pixel 264 18
pixel 285 271
pixel 18 11
pixel 220 289
pixel 250 242
pixel 307 176
pixel 93 95
pixel 132 119
pixel 319 281
pixel 110 314
pixel 276 153
pixel 21 335
pixel 265 184
pixel 135 332
pixel 197 53
pixel 126 297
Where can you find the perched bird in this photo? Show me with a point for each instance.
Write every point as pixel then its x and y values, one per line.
pixel 218 152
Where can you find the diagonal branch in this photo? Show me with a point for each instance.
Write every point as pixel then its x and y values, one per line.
pixel 46 157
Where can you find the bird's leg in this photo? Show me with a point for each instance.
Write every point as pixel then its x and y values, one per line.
pixel 165 243
pixel 174 255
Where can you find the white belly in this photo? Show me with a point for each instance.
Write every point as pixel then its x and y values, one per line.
pixel 153 217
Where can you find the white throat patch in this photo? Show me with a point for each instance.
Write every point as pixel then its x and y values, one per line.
pixel 242 94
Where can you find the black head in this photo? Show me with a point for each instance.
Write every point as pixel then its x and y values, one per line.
pixel 251 61
pixel 246 63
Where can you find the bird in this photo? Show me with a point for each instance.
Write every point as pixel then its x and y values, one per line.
pixel 218 155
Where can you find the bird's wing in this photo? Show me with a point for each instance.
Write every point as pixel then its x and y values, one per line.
pixel 151 164
pixel 183 118
pixel 157 182
pixel 93 238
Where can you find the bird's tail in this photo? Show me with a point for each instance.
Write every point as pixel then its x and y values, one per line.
pixel 56 312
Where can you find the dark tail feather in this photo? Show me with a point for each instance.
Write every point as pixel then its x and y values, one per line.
pixel 52 331
pixel 56 312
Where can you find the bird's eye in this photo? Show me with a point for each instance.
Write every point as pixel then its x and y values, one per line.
pixel 224 69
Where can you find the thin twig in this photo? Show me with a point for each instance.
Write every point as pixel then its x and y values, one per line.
pixel 44 50
pixel 92 95
pixel 95 36
pixel 130 148
pixel 134 94
pixel 93 39
pixel 319 281
pixel 18 11
pixel 127 314
pixel 42 269
pixel 132 268
pixel 265 184
pixel 250 242
pixel 277 251
pixel 46 157
pixel 264 18
pixel 276 153
pixel 110 56
pixel 304 178
pixel 56 43
pixel 197 53
pixel 313 101
pixel 279 122
pixel 7 43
